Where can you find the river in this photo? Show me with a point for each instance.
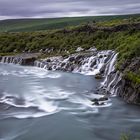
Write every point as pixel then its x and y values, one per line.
pixel 39 104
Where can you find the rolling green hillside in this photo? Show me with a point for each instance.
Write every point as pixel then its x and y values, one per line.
pixel 21 25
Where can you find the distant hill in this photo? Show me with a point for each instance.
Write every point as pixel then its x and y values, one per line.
pixel 26 25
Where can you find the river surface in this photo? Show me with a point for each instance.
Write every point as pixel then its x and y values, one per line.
pixel 36 104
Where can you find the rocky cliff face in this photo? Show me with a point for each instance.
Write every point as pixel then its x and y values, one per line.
pixel 130 90
pixel 116 82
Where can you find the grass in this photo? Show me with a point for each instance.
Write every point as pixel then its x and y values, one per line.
pixel 127 137
pixel 22 25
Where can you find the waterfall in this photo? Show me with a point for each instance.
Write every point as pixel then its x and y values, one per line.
pixel 21 59
pixel 112 64
pixel 110 67
pixel 86 63
pixel 112 77
pixel 89 63
pixel 101 62
pixel 11 59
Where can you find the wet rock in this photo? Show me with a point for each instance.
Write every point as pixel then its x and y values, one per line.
pixel 101 56
pixel 98 76
pixel 93 64
pixel 28 61
pixel 0 58
pixel 102 70
pixel 95 100
pixel 96 103
pixel 79 57
pixel 49 68
pixel 63 64
pixel 48 60
pixel 71 59
pixel 100 99
pixel 103 99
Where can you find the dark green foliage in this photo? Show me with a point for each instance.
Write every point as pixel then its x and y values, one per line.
pixel 133 77
pixel 127 43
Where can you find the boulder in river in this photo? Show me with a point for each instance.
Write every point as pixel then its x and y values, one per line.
pixel 98 76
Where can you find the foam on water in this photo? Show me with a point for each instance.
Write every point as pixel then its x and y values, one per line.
pixel 36 72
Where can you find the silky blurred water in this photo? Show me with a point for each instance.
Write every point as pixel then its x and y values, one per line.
pixel 38 104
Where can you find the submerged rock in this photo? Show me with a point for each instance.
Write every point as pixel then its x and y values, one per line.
pixel 100 99
pixel 98 76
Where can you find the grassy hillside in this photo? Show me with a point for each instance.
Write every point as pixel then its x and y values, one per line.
pixel 21 25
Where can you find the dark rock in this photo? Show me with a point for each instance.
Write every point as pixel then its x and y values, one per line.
pixel 28 61
pixel 100 99
pixel 49 68
pixel 103 99
pixel 102 70
pixel 94 100
pixel 63 64
pixel 0 58
pixel 101 56
pixel 78 57
pixel 71 59
pixel 93 64
pixel 96 103
pixel 98 76
pixel 48 60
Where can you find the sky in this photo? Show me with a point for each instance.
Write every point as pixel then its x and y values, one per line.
pixel 10 9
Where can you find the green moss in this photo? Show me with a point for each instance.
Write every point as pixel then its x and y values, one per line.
pixel 125 137
pixel 133 77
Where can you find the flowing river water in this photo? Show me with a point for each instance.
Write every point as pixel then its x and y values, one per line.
pixel 36 104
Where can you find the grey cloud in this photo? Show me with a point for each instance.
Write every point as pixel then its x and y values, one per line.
pixel 61 8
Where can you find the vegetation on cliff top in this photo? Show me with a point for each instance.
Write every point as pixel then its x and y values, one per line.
pixel 134 77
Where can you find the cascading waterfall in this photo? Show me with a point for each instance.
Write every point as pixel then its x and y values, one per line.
pixel 112 77
pixel 11 59
pixel 88 64
pixel 101 62
pixel 110 67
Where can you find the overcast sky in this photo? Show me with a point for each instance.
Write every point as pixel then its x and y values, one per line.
pixel 65 8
